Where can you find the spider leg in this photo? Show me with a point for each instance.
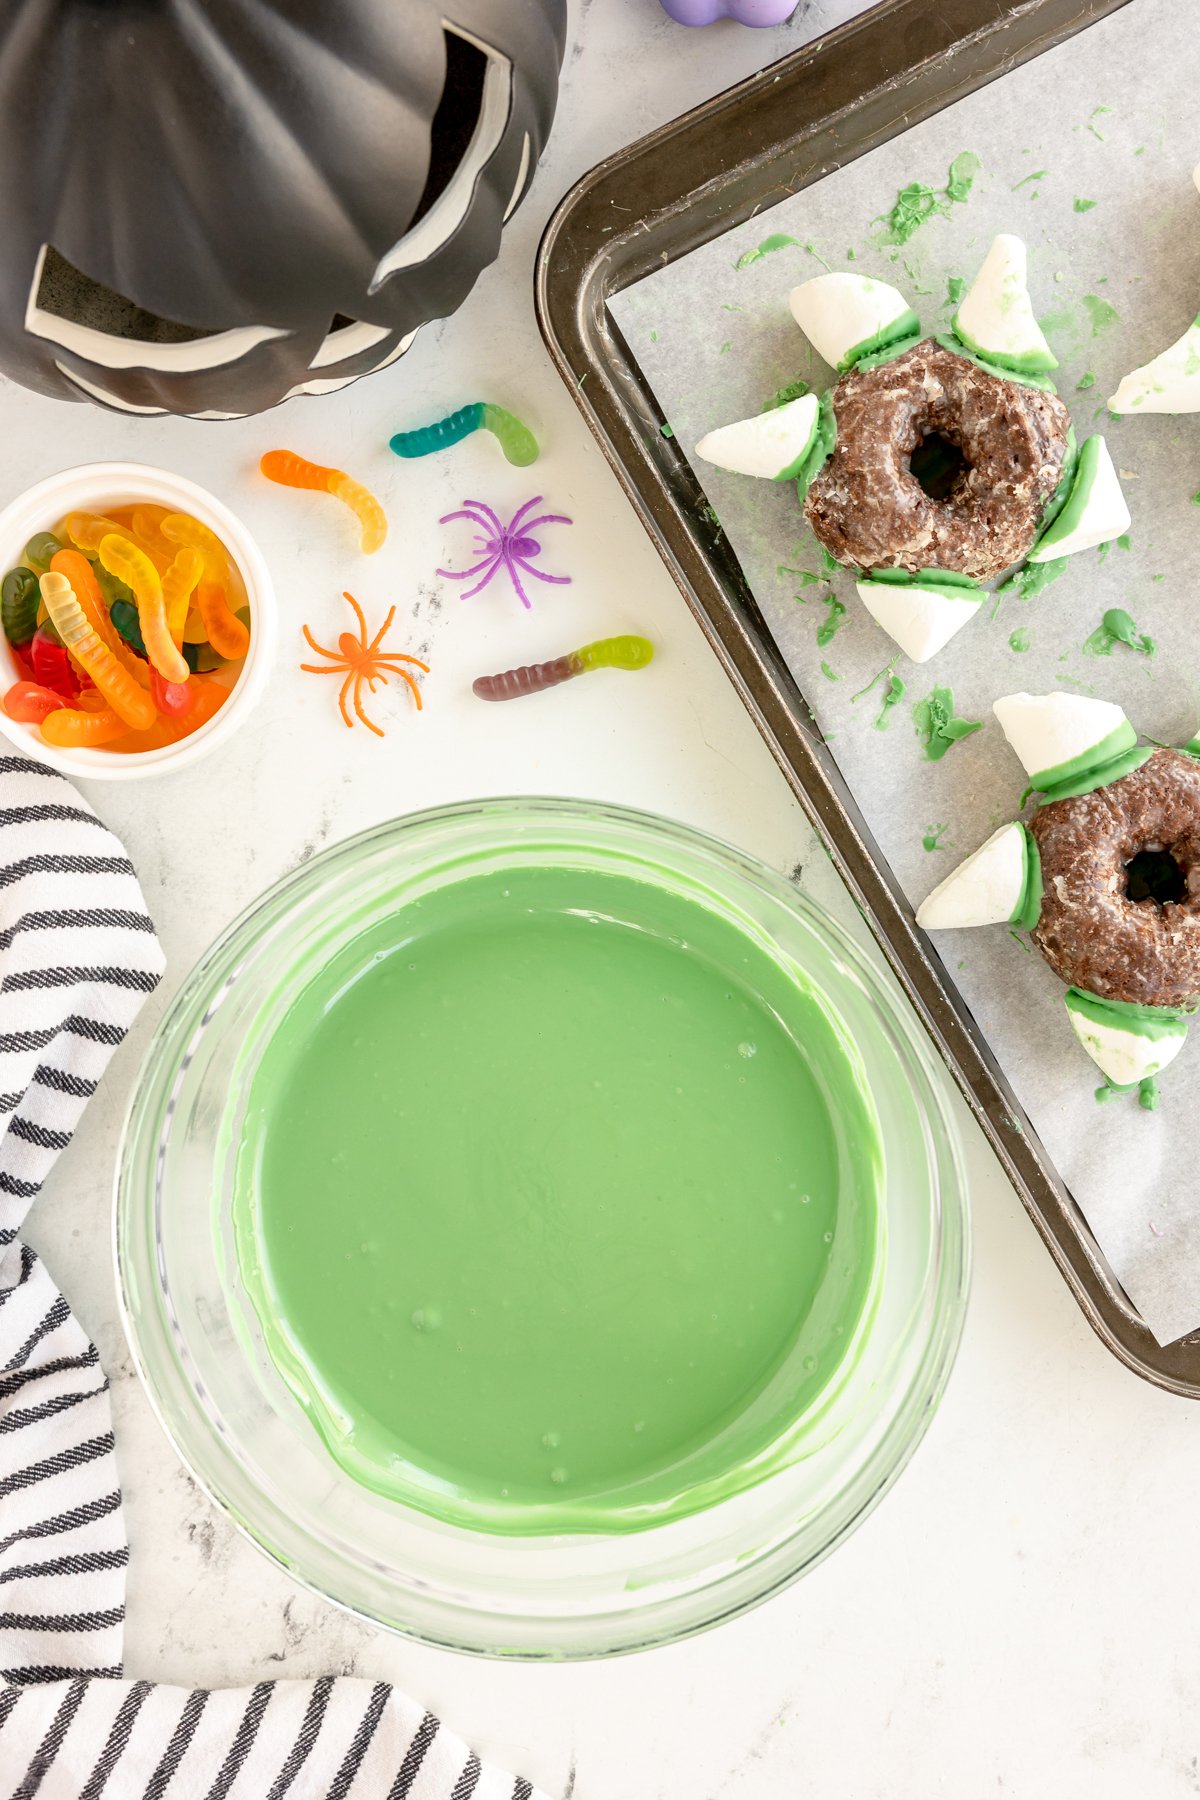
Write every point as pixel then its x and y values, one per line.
pixel 416 692
pixel 466 514
pixel 401 656
pixel 374 643
pixel 545 519
pixel 511 566
pixel 491 517
pixel 333 655
pixel 465 574
pixel 514 524
pixel 358 613
pixel 540 573
pixel 358 707
pixel 491 571
pixel 342 698
pixel 320 669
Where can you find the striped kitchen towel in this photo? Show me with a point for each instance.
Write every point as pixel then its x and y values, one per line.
pixel 78 955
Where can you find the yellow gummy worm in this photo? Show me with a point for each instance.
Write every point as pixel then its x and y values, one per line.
pixel 86 529
pixel 187 566
pixel 195 631
pixel 181 528
pixel 129 701
pixel 147 531
pixel 131 565
pixel 290 470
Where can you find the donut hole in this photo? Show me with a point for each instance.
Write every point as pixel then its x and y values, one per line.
pixel 1154 874
pixel 937 464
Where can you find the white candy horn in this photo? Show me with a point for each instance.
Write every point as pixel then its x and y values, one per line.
pixel 1095 511
pixel 986 889
pixel 1051 733
pixel 1169 384
pixel 773 444
pixel 1125 1047
pixel 919 615
pixel 995 317
pixel 846 317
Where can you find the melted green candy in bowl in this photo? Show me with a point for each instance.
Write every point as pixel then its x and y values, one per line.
pixel 541 1228
pixel 557 1202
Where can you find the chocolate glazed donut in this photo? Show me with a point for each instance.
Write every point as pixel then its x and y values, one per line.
pixel 869 510
pixel 1090 931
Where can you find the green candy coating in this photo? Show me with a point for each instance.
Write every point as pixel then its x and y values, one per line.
pixel 1103 775
pixel 925 578
pixel 1128 1015
pixel 820 448
pixel 1029 906
pixel 901 334
pixel 1123 738
pixel 1066 482
pixel 1023 377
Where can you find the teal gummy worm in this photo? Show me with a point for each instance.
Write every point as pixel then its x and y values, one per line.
pixel 515 439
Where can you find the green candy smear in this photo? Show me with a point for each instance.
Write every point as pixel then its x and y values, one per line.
pixel 937 726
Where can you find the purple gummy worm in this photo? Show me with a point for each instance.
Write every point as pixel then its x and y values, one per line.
pixel 746 12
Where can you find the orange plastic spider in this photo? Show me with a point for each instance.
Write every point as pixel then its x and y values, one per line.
pixel 363 661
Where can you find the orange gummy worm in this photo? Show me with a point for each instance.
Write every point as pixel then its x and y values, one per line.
pixel 290 470
pixel 72 729
pixel 208 696
pixel 226 632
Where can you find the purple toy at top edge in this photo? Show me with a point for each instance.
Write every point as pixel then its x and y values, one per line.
pixel 746 12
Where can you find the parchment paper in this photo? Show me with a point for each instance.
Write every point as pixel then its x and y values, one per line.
pixel 1111 117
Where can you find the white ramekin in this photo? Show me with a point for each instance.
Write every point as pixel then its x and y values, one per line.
pixel 95 487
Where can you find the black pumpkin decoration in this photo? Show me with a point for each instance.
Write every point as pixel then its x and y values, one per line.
pixel 209 205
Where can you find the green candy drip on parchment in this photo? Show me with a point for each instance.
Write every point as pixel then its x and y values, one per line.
pixel 937 726
pixel 918 201
pixel 1117 627
pixel 828 630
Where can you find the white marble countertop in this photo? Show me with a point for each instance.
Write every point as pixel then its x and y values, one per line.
pixel 1020 1615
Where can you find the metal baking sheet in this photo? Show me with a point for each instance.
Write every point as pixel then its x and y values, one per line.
pixel 694 182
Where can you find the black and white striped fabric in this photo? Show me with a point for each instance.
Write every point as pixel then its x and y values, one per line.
pixel 78 954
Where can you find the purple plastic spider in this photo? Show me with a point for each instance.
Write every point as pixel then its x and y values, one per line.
pixel 510 545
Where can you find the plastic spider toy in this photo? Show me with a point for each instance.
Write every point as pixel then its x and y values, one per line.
pixel 505 546
pixel 362 660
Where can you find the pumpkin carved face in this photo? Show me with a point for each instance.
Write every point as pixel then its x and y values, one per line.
pixel 214 204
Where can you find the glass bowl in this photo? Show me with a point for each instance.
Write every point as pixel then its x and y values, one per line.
pixel 234 1421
